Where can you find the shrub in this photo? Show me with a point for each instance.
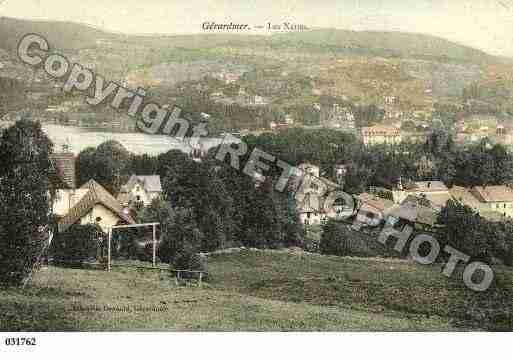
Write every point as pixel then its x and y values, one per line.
pixel 145 253
pixel 187 259
pixel 78 243
pixel 334 239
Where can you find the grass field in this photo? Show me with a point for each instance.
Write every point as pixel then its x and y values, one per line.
pixel 250 290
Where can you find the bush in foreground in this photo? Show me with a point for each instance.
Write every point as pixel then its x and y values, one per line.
pixel 77 244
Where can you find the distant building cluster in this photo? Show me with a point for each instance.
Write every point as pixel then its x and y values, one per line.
pixel 477 128
pixel 339 117
pixel 429 197
pixel 243 98
pixel 228 77
pixel 418 203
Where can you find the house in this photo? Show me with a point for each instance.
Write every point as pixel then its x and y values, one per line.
pixel 310 209
pixel 308 197
pixel 416 215
pixel 257 100
pixel 140 189
pixel 340 117
pixel 372 207
pixel 312 191
pixel 495 198
pixel 436 192
pixel 340 171
pixel 488 201
pixel 278 126
pixel 390 100
pixel 380 134
pixel 89 204
pixel 66 198
pixel 465 197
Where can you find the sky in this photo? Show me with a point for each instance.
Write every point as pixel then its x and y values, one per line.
pixel 483 24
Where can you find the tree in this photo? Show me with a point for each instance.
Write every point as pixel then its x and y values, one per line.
pixel 143 165
pixel 85 165
pixel 196 186
pixel 188 259
pixel 503 164
pixel 108 164
pixel 181 234
pixel 424 168
pixel 333 239
pixel 24 194
pixel 465 231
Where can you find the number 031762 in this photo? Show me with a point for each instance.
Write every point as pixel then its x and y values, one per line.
pixel 20 341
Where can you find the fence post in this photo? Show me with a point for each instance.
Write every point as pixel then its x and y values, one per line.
pixel 154 244
pixel 200 278
pixel 109 250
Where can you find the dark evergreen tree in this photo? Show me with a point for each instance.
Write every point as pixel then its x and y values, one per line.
pixel 24 194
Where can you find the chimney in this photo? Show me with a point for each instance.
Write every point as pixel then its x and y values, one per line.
pixel 400 184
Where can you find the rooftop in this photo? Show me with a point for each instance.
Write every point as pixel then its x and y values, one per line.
pixel 376 202
pixel 427 186
pixel 464 196
pixel 415 213
pixel 96 195
pixel 380 130
pixel 150 183
pixel 493 193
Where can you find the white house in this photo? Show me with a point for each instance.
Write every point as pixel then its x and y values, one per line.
pixel 312 193
pixel 142 189
pixel 495 198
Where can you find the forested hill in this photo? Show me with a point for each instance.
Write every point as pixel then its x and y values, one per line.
pixel 395 44
pixel 67 35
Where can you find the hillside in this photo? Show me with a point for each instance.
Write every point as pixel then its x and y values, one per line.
pixel 254 290
pixel 386 44
pixel 290 70
pixel 66 35
pixel 62 35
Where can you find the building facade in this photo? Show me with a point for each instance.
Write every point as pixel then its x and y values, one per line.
pixel 379 135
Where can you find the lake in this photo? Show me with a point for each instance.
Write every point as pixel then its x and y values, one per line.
pixel 80 138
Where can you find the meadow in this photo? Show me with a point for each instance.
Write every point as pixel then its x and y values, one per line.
pixel 257 291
